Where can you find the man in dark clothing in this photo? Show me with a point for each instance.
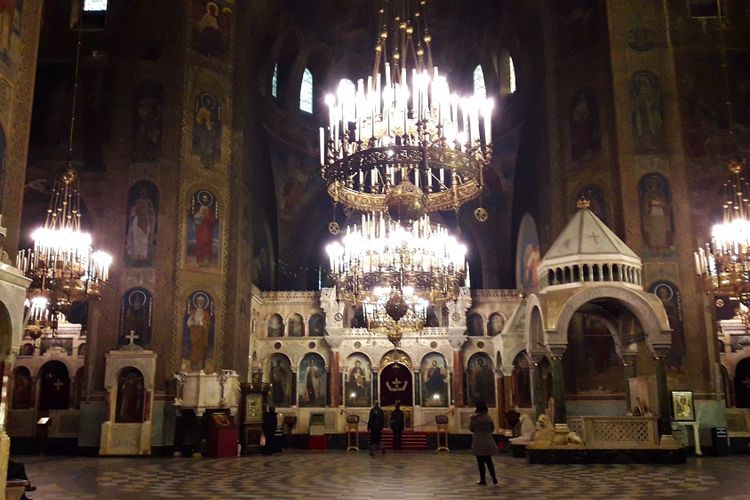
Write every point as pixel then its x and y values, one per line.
pixel 269 430
pixel 397 426
pixel 375 424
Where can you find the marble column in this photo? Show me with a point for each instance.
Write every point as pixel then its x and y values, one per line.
pixel 335 379
pixel 458 378
pixel 500 395
pixel 662 392
pixel 537 388
pixel 630 372
pixel 558 387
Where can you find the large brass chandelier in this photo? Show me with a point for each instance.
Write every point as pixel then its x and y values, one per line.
pixel 404 130
pixel 724 263
pixel 397 148
pixel 63 265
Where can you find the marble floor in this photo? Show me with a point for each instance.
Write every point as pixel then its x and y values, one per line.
pixel 335 474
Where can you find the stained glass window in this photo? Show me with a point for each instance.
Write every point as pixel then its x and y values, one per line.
pixel 306 92
pixel 480 87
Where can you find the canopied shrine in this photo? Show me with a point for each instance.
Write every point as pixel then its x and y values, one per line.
pixel 211 208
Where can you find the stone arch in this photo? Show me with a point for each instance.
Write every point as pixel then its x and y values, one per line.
pixel 645 307
pixel 295 325
pixel 131 390
pixel 396 356
pixel 275 326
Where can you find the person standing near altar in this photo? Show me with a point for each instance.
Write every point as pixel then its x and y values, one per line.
pixel 375 424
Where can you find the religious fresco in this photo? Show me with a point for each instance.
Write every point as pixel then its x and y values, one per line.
pixel 528 255
pixel 10 27
pixel 275 326
pixel 203 229
pixel 56 345
pixel 669 295
pixel 262 265
pixel 130 396
pixel 647 113
pixel 135 317
pixel 317 325
pixel 578 25
pixel 435 377
pixel 199 326
pixel 281 375
pixel 23 389
pixel 3 152
pixel 312 381
pixel 640 39
pixel 480 380
pixel 147 120
pixel 495 324
pixel 585 129
pixel 207 129
pixel 295 184
pixel 358 381
pixel 140 229
pixel 475 325
pixel 521 381
pixel 212 27
pixel 296 326
pixel 657 222
pixel 597 201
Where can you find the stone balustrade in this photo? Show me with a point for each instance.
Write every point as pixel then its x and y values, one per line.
pixel 613 433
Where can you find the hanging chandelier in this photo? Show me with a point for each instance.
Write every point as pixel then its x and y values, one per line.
pixel 382 254
pixel 63 266
pixel 724 263
pixel 403 142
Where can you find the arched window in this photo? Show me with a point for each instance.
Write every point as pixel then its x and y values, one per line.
pixel 511 75
pixel 306 92
pixel 480 87
pixel 275 81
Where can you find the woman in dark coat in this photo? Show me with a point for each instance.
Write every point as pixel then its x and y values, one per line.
pixel 482 443
pixel 375 424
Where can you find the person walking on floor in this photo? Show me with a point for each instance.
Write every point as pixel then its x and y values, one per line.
pixel 269 431
pixel 397 426
pixel 375 424
pixel 482 443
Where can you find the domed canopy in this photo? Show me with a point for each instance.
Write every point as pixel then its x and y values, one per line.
pixel 587 250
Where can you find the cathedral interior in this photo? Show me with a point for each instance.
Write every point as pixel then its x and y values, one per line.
pixel 215 209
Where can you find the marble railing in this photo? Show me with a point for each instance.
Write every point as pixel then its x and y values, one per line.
pixel 612 433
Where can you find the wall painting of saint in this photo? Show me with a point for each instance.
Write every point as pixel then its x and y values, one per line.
pixel 275 326
pixel 669 296
pixel 198 333
pixel 140 232
pixel 528 255
pixel 296 325
pixel 646 110
pixel 281 380
pixel 657 223
pixel 475 325
pixel 434 380
pixel 358 381
pixel 312 381
pixel 212 27
pixel 207 129
pixel 130 396
pixel 135 317
pixel 147 119
pixel 585 132
pixel 596 199
pixel 481 380
pixel 203 229
pixel 316 325
pixel 495 324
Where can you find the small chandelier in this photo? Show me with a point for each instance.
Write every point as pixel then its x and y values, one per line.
pixel 63 266
pixel 382 255
pixel 395 312
pixel 404 129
